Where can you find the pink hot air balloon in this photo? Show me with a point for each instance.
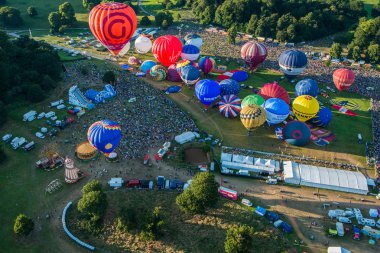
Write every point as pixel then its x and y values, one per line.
pixel 253 53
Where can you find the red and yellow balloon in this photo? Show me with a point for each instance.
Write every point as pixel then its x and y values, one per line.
pixel 167 49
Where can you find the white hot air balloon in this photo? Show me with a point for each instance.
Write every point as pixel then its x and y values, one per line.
pixel 143 44
pixel 125 49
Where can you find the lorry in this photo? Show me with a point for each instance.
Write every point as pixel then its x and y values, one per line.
pixel 29 116
pixel 18 142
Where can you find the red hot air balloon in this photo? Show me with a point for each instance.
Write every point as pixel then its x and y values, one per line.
pixel 113 24
pixel 343 78
pixel 273 90
pixel 167 49
pixel 253 54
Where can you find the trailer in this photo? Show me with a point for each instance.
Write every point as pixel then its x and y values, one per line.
pixel 228 193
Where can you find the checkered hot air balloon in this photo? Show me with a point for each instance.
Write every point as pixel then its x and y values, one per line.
pixel 230 106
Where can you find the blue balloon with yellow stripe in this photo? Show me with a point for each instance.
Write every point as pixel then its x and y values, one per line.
pixel 104 135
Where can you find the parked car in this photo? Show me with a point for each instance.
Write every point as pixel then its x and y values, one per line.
pixel 40 135
pixel 7 138
pixel 133 183
pixel 344 220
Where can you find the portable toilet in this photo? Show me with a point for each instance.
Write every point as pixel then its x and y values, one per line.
pixel 167 184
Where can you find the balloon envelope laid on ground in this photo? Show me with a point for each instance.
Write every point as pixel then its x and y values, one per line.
pixel 133 60
pixel 252 99
pixel 240 76
pixel 147 65
pixel 292 62
pixel 207 91
pixel 190 75
pixel 206 64
pixel 253 53
pixel 252 116
pixel 173 89
pixel 194 39
pixel 343 78
pixel 172 75
pixel 143 44
pixel 276 110
pixel 157 73
pixel 104 135
pixel 323 117
pixel 273 90
pixel 306 87
pixel 228 87
pixel 230 106
pixel 305 107
pixel 190 52
pixel 167 49
pixel 296 133
pixel 113 24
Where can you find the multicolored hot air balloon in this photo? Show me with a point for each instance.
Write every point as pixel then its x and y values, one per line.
pixel 104 135
pixel 292 62
pixel 276 110
pixel 273 90
pixel 167 49
pixel 190 75
pixel 143 44
pixel 230 106
pixel 147 65
pixel 206 64
pixel 307 87
pixel 157 73
pixel 305 107
pixel 296 133
pixel 252 116
pixel 113 24
pixel 323 117
pixel 183 63
pixel 343 78
pixel 133 60
pixel 253 53
pixel 194 39
pixel 228 87
pixel 207 91
pixel 172 75
pixel 190 52
pixel 253 99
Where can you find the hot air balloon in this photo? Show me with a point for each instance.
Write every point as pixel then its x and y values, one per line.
pixel 207 91
pixel 343 78
pixel 194 39
pixel 190 52
pixel 296 133
pixel 183 63
pixel 143 44
pixel 306 87
pixel 206 64
pixel 323 117
pixel 113 24
pixel 253 53
pixel 273 90
pixel 167 49
pixel 147 65
pixel 305 107
pixel 190 75
pixel 253 99
pixel 228 87
pixel 172 75
pixel 230 106
pixel 276 110
pixel 157 73
pixel 252 116
pixel 104 135
pixel 292 63
pixel 125 49
pixel 133 60
pixel 239 75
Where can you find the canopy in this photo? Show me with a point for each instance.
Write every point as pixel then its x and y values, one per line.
pixel 85 151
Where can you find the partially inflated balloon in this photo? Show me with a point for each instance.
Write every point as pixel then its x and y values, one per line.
pixel 183 63
pixel 157 73
pixel 207 91
pixel 190 52
pixel 147 65
pixel 305 107
pixel 143 44
pixel 292 62
pixel 296 133
pixel 113 24
pixel 167 49
pixel 343 78
pixel 194 39
pixel 253 53
pixel 252 116
pixel 276 110
pixel 307 87
pixel 253 99
pixel 322 118
pixel 104 135
pixel 273 90
pixel 206 64
pixel 228 87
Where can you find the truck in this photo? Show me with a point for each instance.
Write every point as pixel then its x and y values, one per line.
pixel 18 142
pixel 160 182
pixel 7 138
pixel 340 228
pixel 29 146
pixel 228 193
pixel 29 116
pixel 53 162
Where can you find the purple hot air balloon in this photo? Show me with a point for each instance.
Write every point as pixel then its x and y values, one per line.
pixel 172 75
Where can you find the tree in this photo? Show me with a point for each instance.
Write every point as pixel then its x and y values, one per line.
pixel 3 114
pixel 54 22
pixel 239 239
pixel 336 50
pixel 178 16
pixel 89 4
pixel 165 24
pixel 162 16
pixel 356 53
pixel 32 11
pixel 3 155
pixel 3 2
pixel 93 203
pixel 10 16
pixel 252 24
pixel 159 18
pixel 35 93
pixel 23 225
pixel 145 21
pixel 93 185
pixel 67 13
pixel 109 77
pixel 231 35
pixel 373 53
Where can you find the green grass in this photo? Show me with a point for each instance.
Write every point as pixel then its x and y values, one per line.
pixel 368 4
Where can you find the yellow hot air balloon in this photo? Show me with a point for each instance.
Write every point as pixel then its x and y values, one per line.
pixel 305 107
pixel 252 116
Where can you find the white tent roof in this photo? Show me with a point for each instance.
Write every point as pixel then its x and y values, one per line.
pixel 242 159
pixel 260 161
pixel 337 250
pixel 249 167
pixel 226 157
pixel 185 137
pixel 116 181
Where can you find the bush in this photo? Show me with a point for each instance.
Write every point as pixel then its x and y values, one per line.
pixel 161 17
pixel 3 114
pixel 3 2
pixel 23 225
pixel 93 203
pixel 32 11
pixel 145 21
pixel 91 224
pixel 165 24
pixel 35 93
pixel 239 239
pixel 10 16
pixel 109 77
pixel 93 185
pixel 3 155
pixel 89 4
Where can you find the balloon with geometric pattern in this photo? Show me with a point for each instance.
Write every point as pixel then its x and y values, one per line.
pixel 230 106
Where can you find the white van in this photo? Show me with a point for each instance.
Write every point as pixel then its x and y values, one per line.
pixel 41 115
pixel 7 138
pixel 246 202
pixel 368 222
pixel 49 114
pixel 344 220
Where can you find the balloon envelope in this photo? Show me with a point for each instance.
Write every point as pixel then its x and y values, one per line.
pixel 253 99
pixel 133 60
pixel 292 62
pixel 206 64
pixel 167 49
pixel 172 74
pixel 296 133
pixel 276 110
pixel 253 53
pixel 194 39
pixel 306 87
pixel 273 90
pixel 190 75
pixel 190 52
pixel 343 78
pixel 125 49
pixel 323 117
pixel 207 91
pixel 157 73
pixel 252 116
pixel 147 65
pixel 228 87
pixel 113 25
pixel 104 135
pixel 305 107
pixel 240 76
pixel 143 44
pixel 173 89
pixel 230 106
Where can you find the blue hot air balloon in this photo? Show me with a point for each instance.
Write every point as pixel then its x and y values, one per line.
pixel 190 74
pixel 276 110
pixel 240 76
pixel 228 87
pixel 207 91
pixel 147 65
pixel 292 63
pixel 322 118
pixel 206 64
pixel 173 89
pixel 307 87
pixel 104 135
pixel 190 52
pixel 296 133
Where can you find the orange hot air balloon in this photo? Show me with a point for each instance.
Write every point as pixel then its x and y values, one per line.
pixel 343 78
pixel 113 24
pixel 167 49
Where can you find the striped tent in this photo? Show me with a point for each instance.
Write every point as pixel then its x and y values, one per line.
pixel 230 106
pixel 71 172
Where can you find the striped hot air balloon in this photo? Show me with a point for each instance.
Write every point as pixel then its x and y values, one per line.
pixel 167 49
pixel 274 90
pixel 190 52
pixel 206 64
pixel 230 106
pixel 253 53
